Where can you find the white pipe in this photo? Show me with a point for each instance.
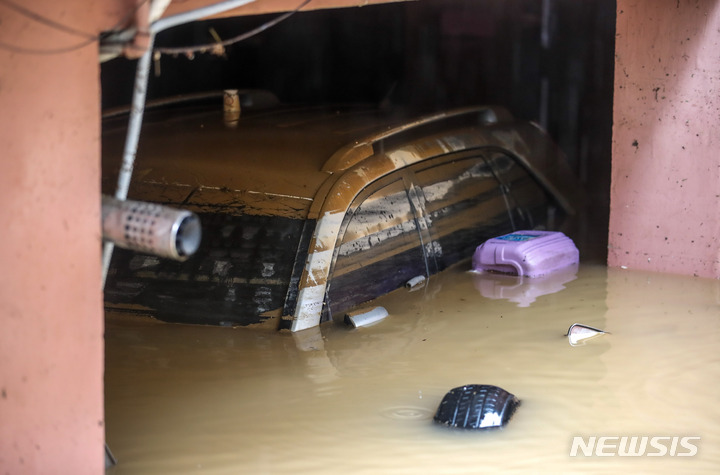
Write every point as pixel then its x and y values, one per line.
pixel 135 122
pixel 138 102
pixel 151 228
pixel 131 142
pixel 415 282
pixel 186 17
pixel 365 317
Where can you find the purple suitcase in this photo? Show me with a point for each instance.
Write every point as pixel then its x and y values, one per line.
pixel 526 253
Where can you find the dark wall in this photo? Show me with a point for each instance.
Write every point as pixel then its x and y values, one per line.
pixel 550 61
pixel 345 55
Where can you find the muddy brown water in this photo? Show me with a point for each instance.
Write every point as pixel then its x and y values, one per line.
pixel 192 399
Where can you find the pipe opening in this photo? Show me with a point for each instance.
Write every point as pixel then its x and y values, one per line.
pixel 187 239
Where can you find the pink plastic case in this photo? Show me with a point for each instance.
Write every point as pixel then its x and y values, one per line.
pixel 526 253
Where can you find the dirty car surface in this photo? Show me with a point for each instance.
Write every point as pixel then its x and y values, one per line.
pixel 307 212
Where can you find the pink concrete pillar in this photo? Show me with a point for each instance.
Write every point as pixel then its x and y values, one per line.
pixel 51 315
pixel 665 192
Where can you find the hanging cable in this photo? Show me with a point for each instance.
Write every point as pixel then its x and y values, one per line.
pixel 67 49
pixel 46 21
pixel 89 38
pixel 188 50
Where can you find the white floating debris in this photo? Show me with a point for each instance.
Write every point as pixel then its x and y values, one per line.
pixel 578 334
pixel 364 317
pixel 415 283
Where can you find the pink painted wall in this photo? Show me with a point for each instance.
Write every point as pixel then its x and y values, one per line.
pixel 51 314
pixel 665 192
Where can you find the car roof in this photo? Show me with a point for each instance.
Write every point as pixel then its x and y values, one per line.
pixel 194 146
pixel 273 160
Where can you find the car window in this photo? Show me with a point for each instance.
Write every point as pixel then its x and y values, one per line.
pixel 379 249
pixel 527 201
pixel 418 222
pixel 463 204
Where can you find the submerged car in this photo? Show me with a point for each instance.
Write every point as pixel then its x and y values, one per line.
pixel 307 212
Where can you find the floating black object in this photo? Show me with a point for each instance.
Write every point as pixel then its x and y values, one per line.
pixel 476 406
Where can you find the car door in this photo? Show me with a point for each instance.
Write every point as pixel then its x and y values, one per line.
pixel 420 220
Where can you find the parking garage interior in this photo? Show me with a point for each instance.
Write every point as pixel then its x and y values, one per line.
pixel 625 88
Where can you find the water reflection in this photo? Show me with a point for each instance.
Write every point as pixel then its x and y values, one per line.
pixel 187 399
pixel 520 289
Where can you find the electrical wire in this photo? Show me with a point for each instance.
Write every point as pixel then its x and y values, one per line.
pixel 67 49
pixel 44 20
pixel 189 50
pixel 89 38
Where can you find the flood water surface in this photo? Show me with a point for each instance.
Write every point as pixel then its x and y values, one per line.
pixel 195 399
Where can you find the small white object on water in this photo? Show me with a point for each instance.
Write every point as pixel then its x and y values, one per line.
pixel 415 283
pixel 364 317
pixel 578 334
